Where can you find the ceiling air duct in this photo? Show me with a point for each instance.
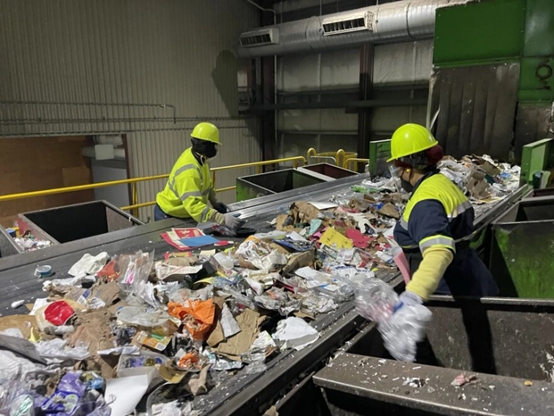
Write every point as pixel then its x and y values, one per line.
pixel 399 21
pixel 347 23
pixel 266 36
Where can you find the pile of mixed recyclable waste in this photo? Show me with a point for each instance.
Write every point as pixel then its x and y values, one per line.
pixel 137 333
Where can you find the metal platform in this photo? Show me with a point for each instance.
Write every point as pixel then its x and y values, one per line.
pixel 505 344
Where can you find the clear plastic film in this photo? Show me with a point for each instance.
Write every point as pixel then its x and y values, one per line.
pixel 133 280
pixel 402 329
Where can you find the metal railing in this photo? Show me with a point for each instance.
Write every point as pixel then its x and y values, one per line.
pixel 135 205
pixel 348 161
pixel 338 158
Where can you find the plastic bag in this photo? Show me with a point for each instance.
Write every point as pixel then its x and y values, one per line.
pixel 400 330
pixel 198 316
pixel 17 399
pixel 404 330
pixel 343 199
pixel 142 316
pixel 375 299
pixel 134 270
pixel 133 279
pixel 176 269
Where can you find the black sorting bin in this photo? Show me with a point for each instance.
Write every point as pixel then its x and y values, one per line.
pixel 75 222
pixel 8 246
pixel 270 183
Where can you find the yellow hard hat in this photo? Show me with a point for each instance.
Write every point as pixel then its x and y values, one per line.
pixel 206 131
pixel 410 139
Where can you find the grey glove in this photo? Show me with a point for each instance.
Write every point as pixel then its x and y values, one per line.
pixel 232 222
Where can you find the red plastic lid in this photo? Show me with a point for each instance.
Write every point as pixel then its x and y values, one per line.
pixel 58 313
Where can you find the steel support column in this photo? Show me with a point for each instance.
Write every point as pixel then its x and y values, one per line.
pixel 366 84
pixel 267 97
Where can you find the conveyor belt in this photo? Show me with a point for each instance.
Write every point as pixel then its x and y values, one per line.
pixel 16 277
pixel 16 272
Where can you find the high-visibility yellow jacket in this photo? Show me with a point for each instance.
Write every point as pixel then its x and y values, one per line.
pixel 435 222
pixel 187 190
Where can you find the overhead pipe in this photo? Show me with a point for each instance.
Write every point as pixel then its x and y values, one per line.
pixel 350 106
pixel 400 21
pixel 295 5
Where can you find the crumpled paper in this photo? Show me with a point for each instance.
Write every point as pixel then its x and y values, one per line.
pixel 295 333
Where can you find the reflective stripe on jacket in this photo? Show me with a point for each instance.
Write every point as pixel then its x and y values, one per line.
pixel 187 190
pixel 437 215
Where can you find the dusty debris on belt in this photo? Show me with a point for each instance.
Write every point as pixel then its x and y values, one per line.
pixel 415 382
pixel 463 379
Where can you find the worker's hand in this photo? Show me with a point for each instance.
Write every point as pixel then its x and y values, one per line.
pixel 405 327
pixel 233 222
pixel 220 207
pixel 407 298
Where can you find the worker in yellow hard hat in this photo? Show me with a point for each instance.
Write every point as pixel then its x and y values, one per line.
pixel 436 226
pixel 190 188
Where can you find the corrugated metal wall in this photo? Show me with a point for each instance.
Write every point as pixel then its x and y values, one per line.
pixel 150 69
pixel 324 129
pixel 395 65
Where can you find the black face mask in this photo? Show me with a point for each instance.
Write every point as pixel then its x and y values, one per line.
pixel 407 186
pixel 204 148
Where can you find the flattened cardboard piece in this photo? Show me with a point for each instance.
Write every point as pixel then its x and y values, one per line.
pixel 249 322
pixel 299 260
pixel 22 322
pixel 389 210
pixel 94 330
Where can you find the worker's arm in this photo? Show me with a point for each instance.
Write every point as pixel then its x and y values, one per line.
pixel 431 269
pixel 188 187
pixel 429 226
pixel 218 206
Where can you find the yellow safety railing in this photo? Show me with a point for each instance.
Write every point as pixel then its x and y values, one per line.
pixel 339 157
pixel 347 162
pixel 135 205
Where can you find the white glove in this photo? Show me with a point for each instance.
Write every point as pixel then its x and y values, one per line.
pixel 405 327
pixel 407 298
pixel 233 222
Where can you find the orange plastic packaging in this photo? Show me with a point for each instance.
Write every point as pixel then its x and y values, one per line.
pixel 198 316
pixel 190 361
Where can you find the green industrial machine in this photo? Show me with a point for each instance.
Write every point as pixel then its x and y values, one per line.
pixel 537 163
pixel 379 152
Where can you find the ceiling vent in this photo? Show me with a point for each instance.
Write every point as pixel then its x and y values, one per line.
pixel 260 37
pixel 347 23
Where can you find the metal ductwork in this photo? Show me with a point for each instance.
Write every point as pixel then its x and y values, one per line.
pixel 400 21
